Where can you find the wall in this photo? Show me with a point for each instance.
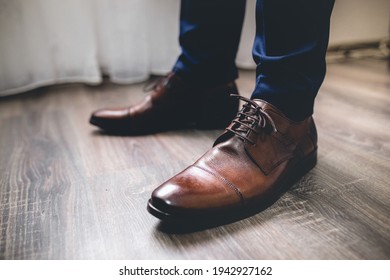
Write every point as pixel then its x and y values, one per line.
pixel 359 21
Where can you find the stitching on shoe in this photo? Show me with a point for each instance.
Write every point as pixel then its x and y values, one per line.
pixel 226 181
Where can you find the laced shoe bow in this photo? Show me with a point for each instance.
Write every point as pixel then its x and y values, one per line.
pixel 251 118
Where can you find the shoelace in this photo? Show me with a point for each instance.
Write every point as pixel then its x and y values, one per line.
pixel 250 117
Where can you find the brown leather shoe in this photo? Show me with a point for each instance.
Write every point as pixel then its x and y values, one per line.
pixel 260 155
pixel 172 104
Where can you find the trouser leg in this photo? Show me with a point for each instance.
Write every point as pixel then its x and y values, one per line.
pixel 289 50
pixel 209 36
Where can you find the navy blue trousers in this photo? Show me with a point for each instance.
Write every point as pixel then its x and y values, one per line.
pixel 289 48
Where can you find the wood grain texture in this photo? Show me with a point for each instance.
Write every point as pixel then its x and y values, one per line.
pixel 69 192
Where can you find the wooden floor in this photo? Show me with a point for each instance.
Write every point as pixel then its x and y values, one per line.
pixel 69 192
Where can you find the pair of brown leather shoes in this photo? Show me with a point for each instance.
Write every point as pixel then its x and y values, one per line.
pixel 258 157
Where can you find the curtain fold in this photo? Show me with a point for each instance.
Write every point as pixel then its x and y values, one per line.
pixel 45 42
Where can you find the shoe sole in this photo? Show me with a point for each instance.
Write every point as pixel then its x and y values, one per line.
pixel 212 124
pixel 205 121
pixel 206 117
pixel 253 207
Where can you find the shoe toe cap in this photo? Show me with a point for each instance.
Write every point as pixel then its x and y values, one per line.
pixel 109 118
pixel 194 191
pixel 114 113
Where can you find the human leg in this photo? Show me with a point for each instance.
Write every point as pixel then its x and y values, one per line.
pixel 272 141
pixel 289 50
pixel 196 93
pixel 210 32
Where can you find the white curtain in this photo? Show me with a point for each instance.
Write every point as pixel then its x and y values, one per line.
pixel 44 42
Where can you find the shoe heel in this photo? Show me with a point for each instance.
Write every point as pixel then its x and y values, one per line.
pixel 307 164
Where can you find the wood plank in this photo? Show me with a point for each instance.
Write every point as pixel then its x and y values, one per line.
pixel 69 192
